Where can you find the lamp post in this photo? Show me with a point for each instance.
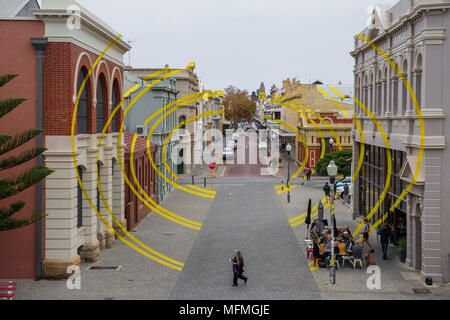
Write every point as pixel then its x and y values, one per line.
pixel 288 149
pixel 332 171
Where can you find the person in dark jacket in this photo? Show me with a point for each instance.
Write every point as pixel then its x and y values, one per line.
pixel 327 190
pixel 385 235
pixel 238 267
pixel 346 192
pixel 316 250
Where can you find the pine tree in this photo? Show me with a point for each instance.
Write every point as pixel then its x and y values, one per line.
pixel 16 184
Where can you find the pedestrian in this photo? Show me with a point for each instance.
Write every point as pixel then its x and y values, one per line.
pixel 315 223
pixel 385 235
pixel 366 235
pixel 346 192
pixel 238 267
pixel 327 190
pixel 308 172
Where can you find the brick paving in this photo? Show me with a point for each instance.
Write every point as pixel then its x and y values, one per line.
pixel 249 219
pixel 139 277
pixel 397 279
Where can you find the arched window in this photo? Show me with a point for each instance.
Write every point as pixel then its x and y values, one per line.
pixel 418 82
pixel 180 120
pixel 385 93
pixel 371 105
pixel 395 92
pixel 101 102
pixel 115 100
pixel 404 89
pixel 83 103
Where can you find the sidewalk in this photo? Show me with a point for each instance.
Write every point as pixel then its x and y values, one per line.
pixel 139 277
pixel 397 279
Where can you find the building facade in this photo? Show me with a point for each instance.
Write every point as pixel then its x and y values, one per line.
pixel 72 231
pixel 331 111
pixel 160 95
pixel 187 83
pixel 414 34
pixel 135 209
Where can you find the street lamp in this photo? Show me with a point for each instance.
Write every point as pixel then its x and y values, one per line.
pixel 331 144
pixel 332 171
pixel 288 149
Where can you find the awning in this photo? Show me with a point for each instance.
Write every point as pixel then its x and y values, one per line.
pixel 409 169
pixel 283 133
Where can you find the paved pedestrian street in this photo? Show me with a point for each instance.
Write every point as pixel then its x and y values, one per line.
pixel 247 216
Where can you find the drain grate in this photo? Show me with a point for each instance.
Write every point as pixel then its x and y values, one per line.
pixel 168 234
pixel 421 290
pixel 104 268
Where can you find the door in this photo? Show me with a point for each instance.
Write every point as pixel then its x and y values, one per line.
pixel 180 166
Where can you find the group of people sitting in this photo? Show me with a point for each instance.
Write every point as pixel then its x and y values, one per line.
pixel 344 245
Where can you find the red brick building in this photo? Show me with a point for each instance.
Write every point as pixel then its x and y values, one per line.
pixel 135 209
pixel 53 49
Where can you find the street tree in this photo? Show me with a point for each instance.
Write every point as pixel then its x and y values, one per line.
pixel 238 104
pixel 342 159
pixel 10 184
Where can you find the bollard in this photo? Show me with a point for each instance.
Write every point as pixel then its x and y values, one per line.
pixel 204 182
pixel 282 185
pixel 193 180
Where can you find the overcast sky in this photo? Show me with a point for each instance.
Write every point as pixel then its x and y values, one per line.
pixel 241 42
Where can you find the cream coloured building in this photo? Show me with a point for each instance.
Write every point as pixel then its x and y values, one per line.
pixel 73 231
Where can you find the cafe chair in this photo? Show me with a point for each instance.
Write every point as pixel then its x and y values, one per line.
pixel 347 258
pixel 355 261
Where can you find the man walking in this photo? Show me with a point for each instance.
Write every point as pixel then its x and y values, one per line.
pixel 327 190
pixel 385 235
pixel 346 192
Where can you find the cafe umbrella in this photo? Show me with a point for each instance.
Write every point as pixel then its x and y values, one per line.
pixel 320 217
pixel 308 218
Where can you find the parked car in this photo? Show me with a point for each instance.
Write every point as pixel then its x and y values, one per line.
pixel 228 154
pixel 262 145
pixel 347 180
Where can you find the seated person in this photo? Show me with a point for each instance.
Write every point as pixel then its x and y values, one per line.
pixel 327 248
pixel 357 251
pixel 316 250
pixel 349 243
pixel 313 234
pixel 314 224
pixel 323 237
pixel 347 229
pixel 345 236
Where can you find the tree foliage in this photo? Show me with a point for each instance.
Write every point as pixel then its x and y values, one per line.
pixel 15 184
pixel 341 159
pixel 317 82
pixel 238 104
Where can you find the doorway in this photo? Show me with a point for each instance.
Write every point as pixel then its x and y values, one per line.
pixel 180 166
